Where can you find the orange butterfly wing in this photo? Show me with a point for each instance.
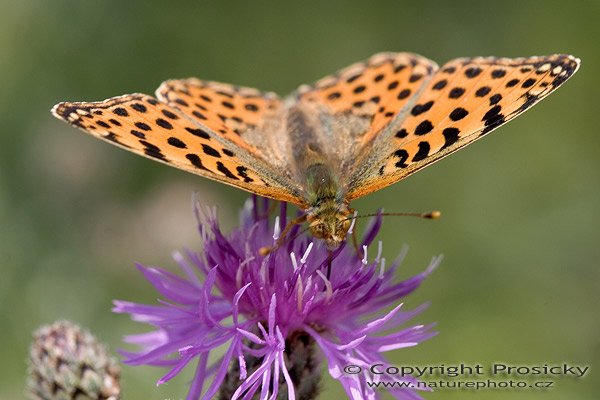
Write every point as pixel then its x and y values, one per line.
pixel 466 99
pixel 146 126
pixel 375 89
pixel 383 119
pixel 245 116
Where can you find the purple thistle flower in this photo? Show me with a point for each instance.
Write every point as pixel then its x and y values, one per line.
pixel 275 316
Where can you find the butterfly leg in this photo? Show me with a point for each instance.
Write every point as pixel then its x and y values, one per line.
pixel 356 247
pixel 271 210
pixel 329 260
pixel 281 240
pixel 352 232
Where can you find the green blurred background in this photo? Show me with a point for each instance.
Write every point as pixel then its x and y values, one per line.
pixel 519 282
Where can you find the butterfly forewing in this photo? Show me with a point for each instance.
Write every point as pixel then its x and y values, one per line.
pixel 466 99
pixel 245 116
pixel 143 125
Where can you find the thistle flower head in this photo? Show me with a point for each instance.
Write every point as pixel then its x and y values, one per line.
pixel 275 317
pixel 68 362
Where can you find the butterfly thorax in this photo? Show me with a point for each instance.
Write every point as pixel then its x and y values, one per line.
pixel 328 210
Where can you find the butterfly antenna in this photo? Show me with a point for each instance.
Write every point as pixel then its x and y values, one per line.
pixel 428 215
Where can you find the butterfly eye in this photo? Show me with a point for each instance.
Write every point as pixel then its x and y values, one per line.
pixel 344 225
pixel 318 230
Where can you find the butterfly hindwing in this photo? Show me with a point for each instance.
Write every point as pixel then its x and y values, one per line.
pixel 146 126
pixel 375 89
pixel 465 100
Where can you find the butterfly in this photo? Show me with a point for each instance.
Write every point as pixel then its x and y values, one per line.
pixel 347 135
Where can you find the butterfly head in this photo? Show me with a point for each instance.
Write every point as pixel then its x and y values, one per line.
pixel 330 222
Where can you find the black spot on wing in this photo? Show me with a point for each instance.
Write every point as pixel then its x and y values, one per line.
pixel 450 136
pixel 530 100
pixel 169 114
pixel 472 72
pixel 210 151
pixel 402 133
pixel 228 104
pixel 173 141
pixel 198 132
pixel 492 119
pixel 422 152
pixel 137 134
pixel 458 113
pixel 164 123
pixel 225 94
pixel 111 136
pixel 403 94
pixel 152 150
pixel 243 173
pixel 498 73
pixel 415 77
pixel 200 106
pixel 483 91
pixel 421 108
pixel 494 99
pixel 456 92
pixel 199 115
pixel 403 156
pixel 143 126
pixel 196 162
pixel 139 107
pixel 223 169
pixel 439 85
pixel 492 113
pixel 449 70
pixel 423 128
pixel 120 111
pixel 353 78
